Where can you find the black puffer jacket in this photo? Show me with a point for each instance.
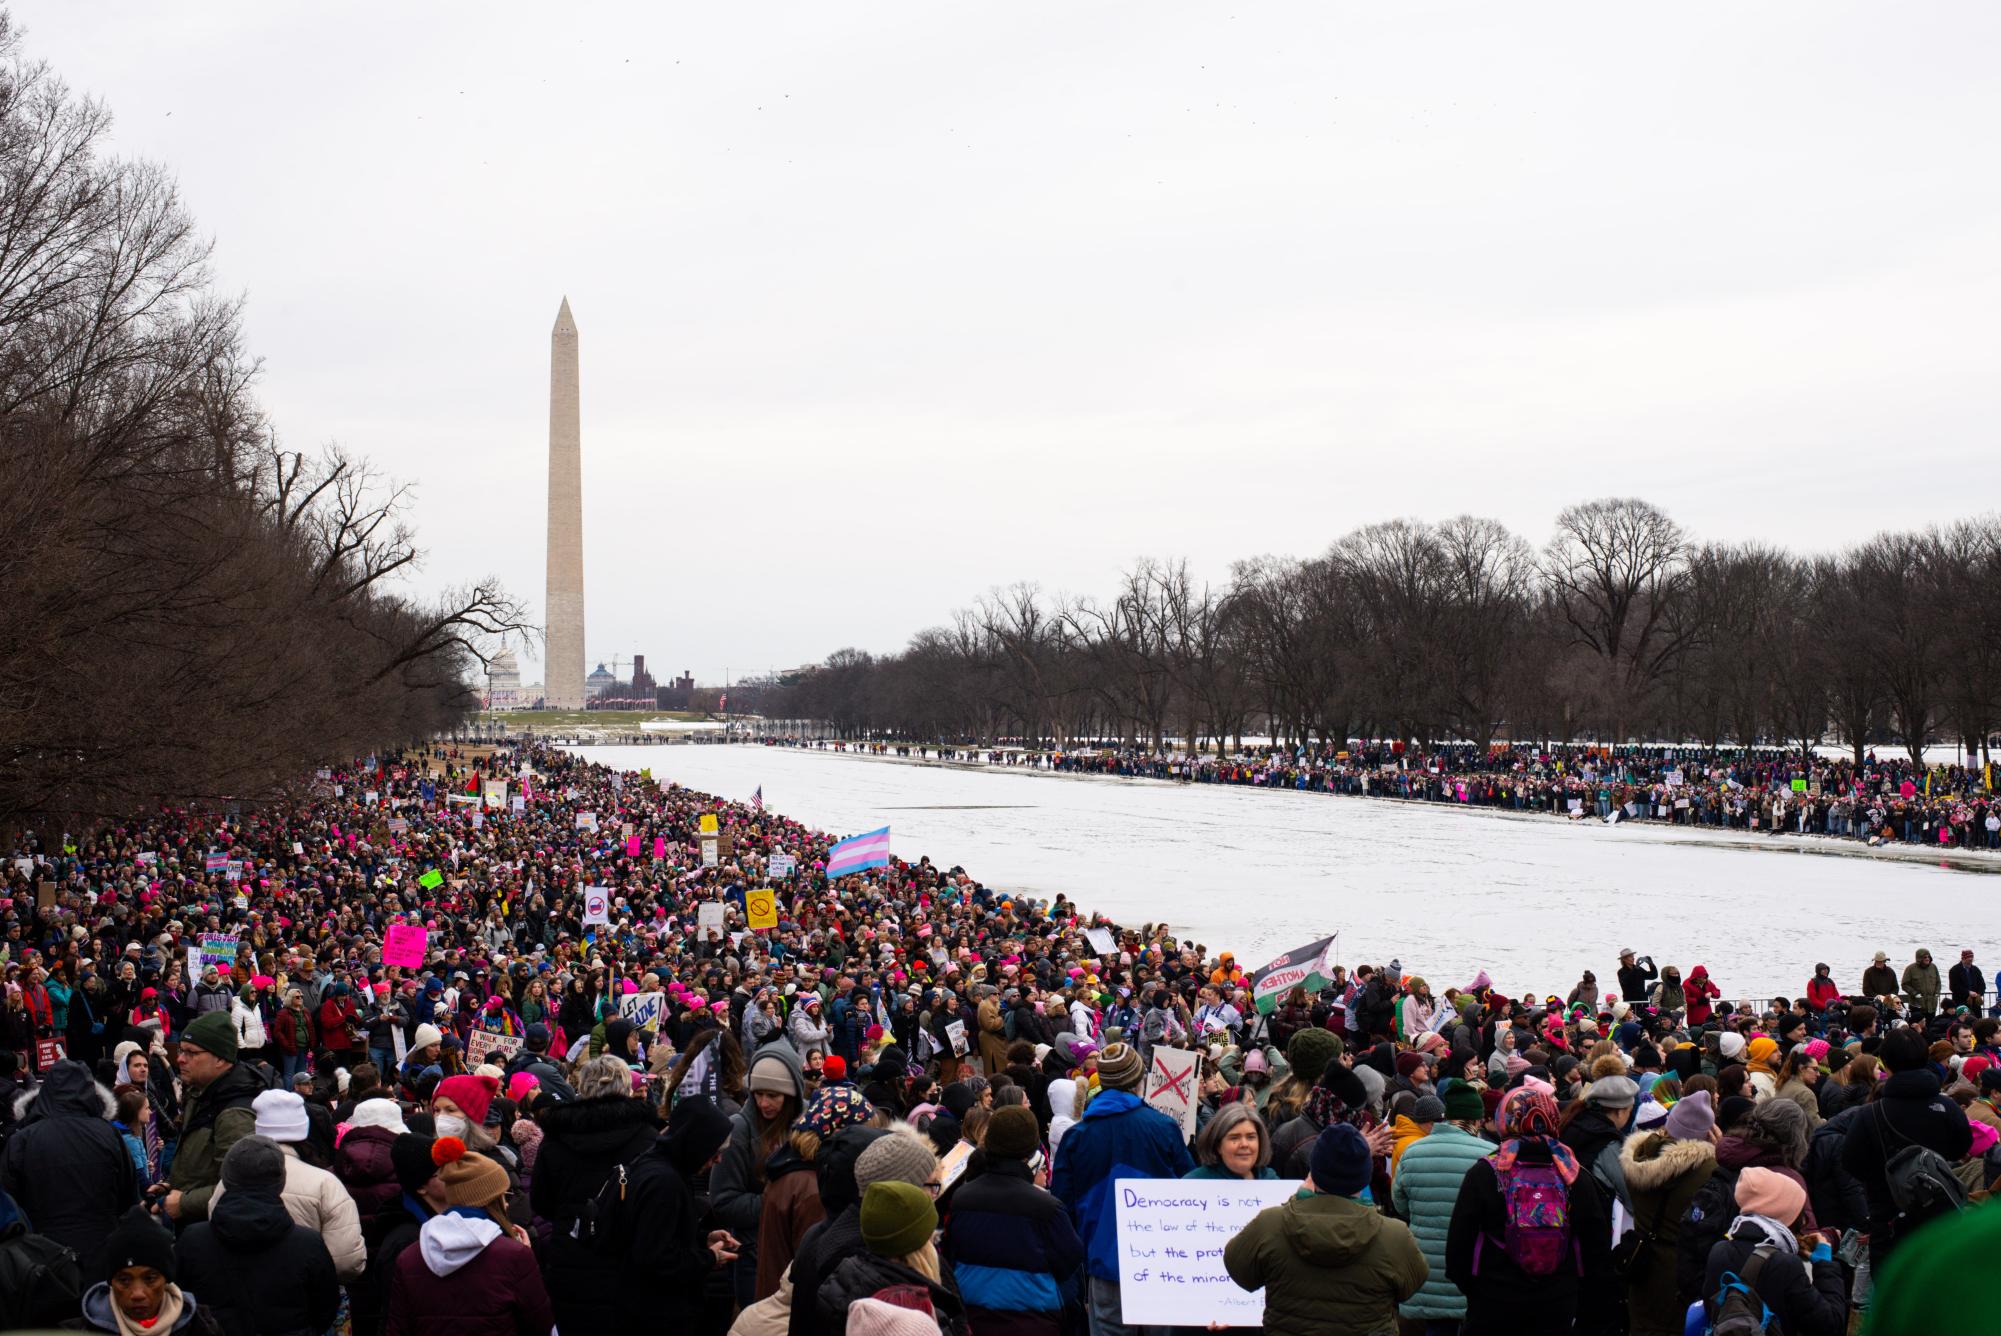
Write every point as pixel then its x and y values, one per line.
pixel 1909 1110
pixel 255 1271
pixel 67 1167
pixel 592 1285
pixel 837 1237
pixel 865 1274
pixel 1806 1299
pixel 1837 1196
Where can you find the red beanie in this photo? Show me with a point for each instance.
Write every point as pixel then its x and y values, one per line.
pixel 836 1068
pixel 471 1093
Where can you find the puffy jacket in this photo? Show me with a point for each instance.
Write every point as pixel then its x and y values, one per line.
pixel 1329 1266
pixel 256 1271
pixel 464 1277
pixel 1806 1299
pixel 807 1033
pixel 1423 1192
pixel 592 1286
pixel 214 1118
pixel 363 1166
pixel 1015 1256
pixel 316 1200
pixel 1662 1177
pixel 1119 1136
pixel 861 1276
pixel 1908 1111
pixel 67 1167
pixel 1837 1196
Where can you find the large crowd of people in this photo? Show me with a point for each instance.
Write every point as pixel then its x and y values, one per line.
pixel 478 1040
pixel 1882 800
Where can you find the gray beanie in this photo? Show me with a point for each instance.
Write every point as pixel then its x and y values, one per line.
pixel 1612 1092
pixel 1429 1109
pixel 252 1163
pixel 900 1157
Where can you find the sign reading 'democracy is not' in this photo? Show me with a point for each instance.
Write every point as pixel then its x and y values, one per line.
pixel 1171 1233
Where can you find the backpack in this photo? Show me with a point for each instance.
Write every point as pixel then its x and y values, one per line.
pixel 592 1220
pixel 1923 1185
pixel 40 1285
pixel 1739 1310
pixel 1536 1201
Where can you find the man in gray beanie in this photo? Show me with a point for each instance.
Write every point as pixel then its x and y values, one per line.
pixel 251 1266
pixel 1118 1129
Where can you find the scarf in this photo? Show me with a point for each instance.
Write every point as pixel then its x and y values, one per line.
pixel 1324 1107
pixel 1775 1233
pixel 170 1313
pixel 1503 1159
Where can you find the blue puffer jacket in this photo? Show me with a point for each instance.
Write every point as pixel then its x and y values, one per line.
pixel 1423 1192
pixel 1013 1252
pixel 1119 1136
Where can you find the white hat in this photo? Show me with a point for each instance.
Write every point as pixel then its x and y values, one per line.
pixel 379 1112
pixel 427 1035
pixel 1732 1044
pixel 281 1115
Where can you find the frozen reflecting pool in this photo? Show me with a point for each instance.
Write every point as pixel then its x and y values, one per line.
pixel 1446 891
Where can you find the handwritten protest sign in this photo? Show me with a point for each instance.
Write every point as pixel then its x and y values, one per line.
pixel 479 1044
pixel 431 880
pixel 780 865
pixel 643 1009
pixel 956 1032
pixel 1171 1233
pixel 711 852
pixel 709 915
pixel 1170 1085
pixel 216 950
pixel 1101 941
pixel 405 946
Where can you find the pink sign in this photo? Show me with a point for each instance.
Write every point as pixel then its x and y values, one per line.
pixel 659 846
pixel 405 946
pixel 632 846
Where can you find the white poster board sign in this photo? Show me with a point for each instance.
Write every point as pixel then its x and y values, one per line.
pixel 643 1009
pixel 1101 941
pixel 709 914
pixel 956 1032
pixel 1171 1233
pixel 597 905
pixel 1172 1079
pixel 780 865
pixel 482 1046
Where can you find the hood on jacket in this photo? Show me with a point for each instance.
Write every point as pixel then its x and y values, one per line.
pixel 835 1166
pixel 1327 1230
pixel 795 1067
pixel 1657 1159
pixel 448 1242
pixel 250 1219
pixel 68 1091
pixel 97 1309
pixel 602 1126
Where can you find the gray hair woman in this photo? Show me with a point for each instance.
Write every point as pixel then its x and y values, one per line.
pixel 1234 1143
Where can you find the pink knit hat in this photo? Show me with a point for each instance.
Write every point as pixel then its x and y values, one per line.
pixel 1769 1193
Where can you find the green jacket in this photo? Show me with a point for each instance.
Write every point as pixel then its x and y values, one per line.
pixel 1424 1191
pixel 1663 1175
pixel 212 1120
pixel 1329 1266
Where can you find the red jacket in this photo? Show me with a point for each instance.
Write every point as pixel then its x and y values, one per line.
pixel 293 1030
pixel 1820 992
pixel 498 1293
pixel 1697 993
pixel 335 1015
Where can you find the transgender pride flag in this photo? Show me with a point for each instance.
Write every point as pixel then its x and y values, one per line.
pixel 858 853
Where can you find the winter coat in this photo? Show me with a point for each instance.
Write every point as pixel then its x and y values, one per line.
pixel 1118 1137
pixel 249 1024
pixel 1879 981
pixel 1832 1097
pixel 465 1277
pixel 1596 1143
pixel 824 1248
pixel 293 1031
pixel 861 1276
pixel 213 1119
pixel 1908 1111
pixel 592 1285
pixel 66 1166
pixel 1806 1299
pixel 993 1035
pixel 736 1190
pixel 807 1033
pixel 1800 1093
pixel 791 1207
pixel 1921 987
pixel 258 1272
pixel 1014 1254
pixel 1967 979
pixel 1499 1295
pixel 195 1319
pixel 1837 1196
pixel 1662 1177
pixel 315 1200
pixel 1329 1266
pixel 363 1166
pixel 1286 1141
pixel 1714 1206
pixel 1423 1192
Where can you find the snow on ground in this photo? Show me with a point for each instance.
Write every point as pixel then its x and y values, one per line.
pixel 1445 891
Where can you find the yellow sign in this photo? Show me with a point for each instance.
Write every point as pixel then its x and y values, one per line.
pixel 708 826
pixel 762 907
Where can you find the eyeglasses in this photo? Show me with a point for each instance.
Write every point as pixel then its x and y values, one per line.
pixel 934 1186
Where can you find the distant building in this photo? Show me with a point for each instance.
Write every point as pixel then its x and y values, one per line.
pixel 503 683
pixel 675 693
pixel 642 687
pixel 598 682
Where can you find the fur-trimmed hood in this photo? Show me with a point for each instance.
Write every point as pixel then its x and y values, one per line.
pixel 1657 1159
pixel 68 1091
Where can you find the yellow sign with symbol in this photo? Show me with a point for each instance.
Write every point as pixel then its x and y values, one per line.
pixel 708 826
pixel 762 908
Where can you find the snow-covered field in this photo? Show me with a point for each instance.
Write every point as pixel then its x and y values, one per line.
pixel 1447 892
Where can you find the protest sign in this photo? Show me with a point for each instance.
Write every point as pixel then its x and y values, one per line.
pixel 431 880
pixel 480 1044
pixel 405 946
pixel 644 1010
pixel 659 847
pixel 597 905
pixel 1307 965
pixel 216 950
pixel 956 1032
pixel 209 862
pixel 1171 1233
pixel 709 915
pixel 632 846
pixel 711 852
pixel 708 824
pixel 1171 1085
pixel 495 792
pixel 780 865
pixel 587 821
pixel 1101 941
pixel 517 804
pixel 954 1164
pixel 762 908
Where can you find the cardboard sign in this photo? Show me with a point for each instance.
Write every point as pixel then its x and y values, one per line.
pixel 481 1046
pixel 780 865
pixel 597 905
pixel 709 915
pixel 644 1010
pixel 762 908
pixel 405 946
pixel 1171 1081
pixel 1171 1233
pixel 216 950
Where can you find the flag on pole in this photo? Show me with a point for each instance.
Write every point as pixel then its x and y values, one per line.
pixel 858 853
pixel 757 799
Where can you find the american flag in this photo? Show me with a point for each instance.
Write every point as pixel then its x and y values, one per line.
pixel 757 799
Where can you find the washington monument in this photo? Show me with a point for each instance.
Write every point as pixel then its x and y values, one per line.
pixel 563 666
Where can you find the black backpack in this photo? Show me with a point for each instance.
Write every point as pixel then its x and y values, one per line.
pixel 40 1283
pixel 1922 1183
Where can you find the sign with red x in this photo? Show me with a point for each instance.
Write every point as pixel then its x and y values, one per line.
pixel 1170 1085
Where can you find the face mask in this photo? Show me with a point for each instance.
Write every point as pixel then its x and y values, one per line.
pixel 451 1125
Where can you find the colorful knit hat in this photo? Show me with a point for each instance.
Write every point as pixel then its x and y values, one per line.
pixel 833 1108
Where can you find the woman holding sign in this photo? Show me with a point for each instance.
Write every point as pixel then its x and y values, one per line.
pixel 1233 1144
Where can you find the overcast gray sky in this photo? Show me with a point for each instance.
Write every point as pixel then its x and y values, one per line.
pixel 882 305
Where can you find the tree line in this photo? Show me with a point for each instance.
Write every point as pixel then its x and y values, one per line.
pixel 1620 628
pixel 193 611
